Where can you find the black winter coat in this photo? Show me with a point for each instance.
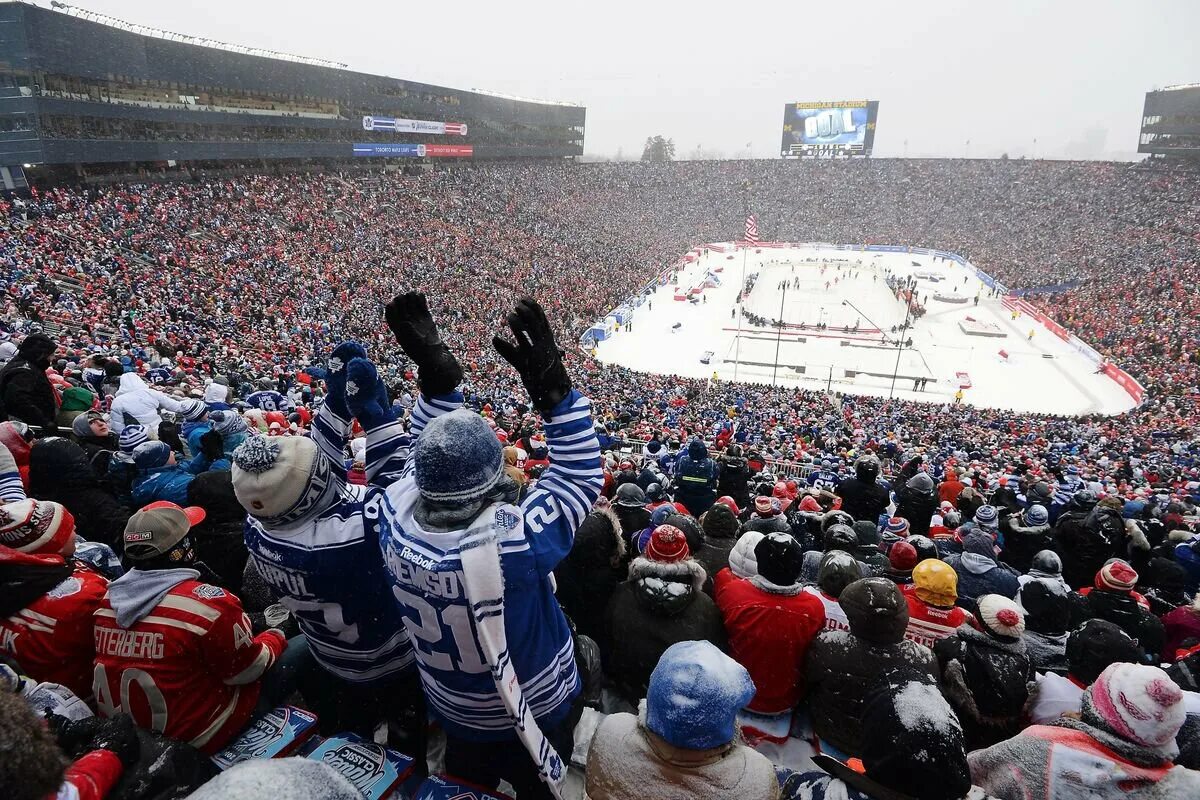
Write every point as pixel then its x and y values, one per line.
pixel 917 508
pixel 862 500
pixel 59 470
pixel 1121 610
pixel 26 394
pixel 734 481
pixel 1022 543
pixel 984 678
pixel 588 575
pixel 1083 549
pixel 660 605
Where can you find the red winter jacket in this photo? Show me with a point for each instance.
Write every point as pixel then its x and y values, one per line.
pixel 91 777
pixel 769 634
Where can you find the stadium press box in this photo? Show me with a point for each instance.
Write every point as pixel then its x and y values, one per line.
pixel 276 734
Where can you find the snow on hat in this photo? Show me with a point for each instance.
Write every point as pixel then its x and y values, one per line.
pixel 1140 704
pixel 458 459
pixel 935 582
pixel 876 610
pixel 282 480
pixel 1036 514
pixel 902 557
pixel 694 696
pixel 987 517
pixel 1117 576
pixel 192 410
pixel 228 423
pixel 896 526
pixel 945 507
pixel 742 561
pixel 36 526
pixel 838 569
pixel 132 436
pixel 151 455
pixel 1001 616
pixel 667 544
pixel 764 505
pixel 779 558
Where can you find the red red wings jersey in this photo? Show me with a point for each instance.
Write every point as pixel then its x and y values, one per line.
pixel 769 635
pixel 835 617
pixel 51 640
pixel 189 669
pixel 928 624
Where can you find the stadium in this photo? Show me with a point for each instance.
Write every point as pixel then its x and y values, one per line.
pixel 823 475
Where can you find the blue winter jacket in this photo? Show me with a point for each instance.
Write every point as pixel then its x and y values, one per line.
pixel 171 483
pixel 696 479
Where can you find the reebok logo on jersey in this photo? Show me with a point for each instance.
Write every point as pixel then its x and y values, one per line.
pixel 416 558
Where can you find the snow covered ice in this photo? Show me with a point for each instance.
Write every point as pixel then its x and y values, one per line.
pixel 1043 374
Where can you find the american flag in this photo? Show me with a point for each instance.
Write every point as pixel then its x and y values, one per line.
pixel 752 229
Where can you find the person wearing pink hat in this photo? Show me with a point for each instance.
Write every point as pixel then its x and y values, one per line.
pixel 1112 598
pixel 50 638
pixel 1122 747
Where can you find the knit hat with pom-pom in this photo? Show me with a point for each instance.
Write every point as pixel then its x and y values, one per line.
pixel 283 480
pixel 1001 616
pixel 1138 703
pixel 667 544
pixel 1116 576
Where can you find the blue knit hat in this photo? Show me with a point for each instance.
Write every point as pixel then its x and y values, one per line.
pixel 132 436
pixel 695 694
pixel 987 517
pixel 897 526
pixel 1036 515
pixel 150 455
pixel 457 459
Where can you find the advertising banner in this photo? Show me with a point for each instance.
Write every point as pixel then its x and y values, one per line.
pixel 414 126
pixel 408 150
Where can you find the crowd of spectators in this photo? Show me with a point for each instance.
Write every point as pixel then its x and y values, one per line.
pixel 168 347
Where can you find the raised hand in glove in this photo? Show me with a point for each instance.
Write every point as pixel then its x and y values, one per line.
pixel 168 432
pixel 409 319
pixel 535 355
pixel 212 446
pixel 335 377
pixel 366 394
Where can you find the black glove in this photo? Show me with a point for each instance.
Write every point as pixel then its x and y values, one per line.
pixel 168 432
pixel 118 735
pixel 535 355
pixel 212 446
pixel 409 319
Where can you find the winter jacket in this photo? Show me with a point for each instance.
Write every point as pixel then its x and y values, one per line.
pixel 171 483
pixel 632 519
pixel 841 666
pixel 59 471
pixel 862 500
pixel 1122 610
pixel 1182 630
pixel 140 403
pixel 14 476
pixel 917 505
pixel 627 761
pixel 660 604
pixel 1022 543
pixel 979 575
pixel 587 577
pixel 1083 549
pixel 720 534
pixel 949 490
pixel 734 480
pixel 770 629
pixel 26 394
pixel 1047 651
pixel 696 479
pixel 1071 758
pixel 984 677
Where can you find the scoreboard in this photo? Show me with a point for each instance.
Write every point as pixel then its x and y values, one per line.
pixel 832 128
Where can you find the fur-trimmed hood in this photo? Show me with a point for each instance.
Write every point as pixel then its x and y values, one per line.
pixel 666 589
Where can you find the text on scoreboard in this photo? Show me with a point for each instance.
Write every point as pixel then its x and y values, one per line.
pixel 837 127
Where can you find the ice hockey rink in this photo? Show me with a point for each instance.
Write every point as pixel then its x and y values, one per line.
pixel 841 289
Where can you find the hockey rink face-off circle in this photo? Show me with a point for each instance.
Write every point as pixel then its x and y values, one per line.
pixel 847 343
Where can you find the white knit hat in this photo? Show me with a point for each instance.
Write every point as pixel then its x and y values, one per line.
pixel 1002 616
pixel 282 480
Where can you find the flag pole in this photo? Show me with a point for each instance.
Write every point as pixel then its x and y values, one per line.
pixel 779 335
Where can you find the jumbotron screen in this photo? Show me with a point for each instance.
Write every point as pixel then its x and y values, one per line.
pixel 835 128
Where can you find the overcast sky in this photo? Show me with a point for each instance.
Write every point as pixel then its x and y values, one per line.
pixel 715 76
